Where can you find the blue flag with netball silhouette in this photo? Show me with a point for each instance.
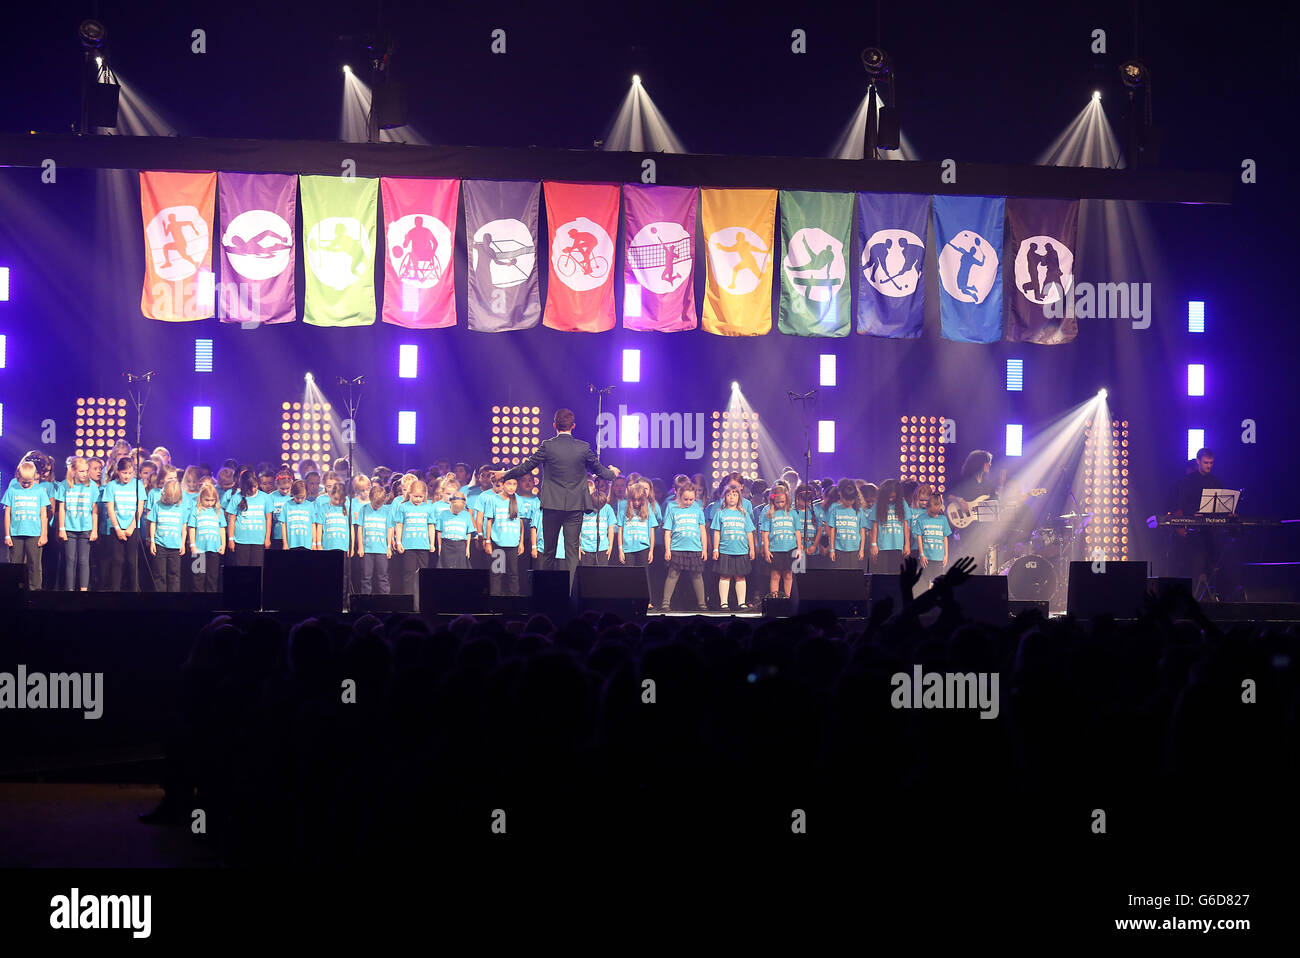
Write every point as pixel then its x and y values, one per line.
pixel 968 240
pixel 891 289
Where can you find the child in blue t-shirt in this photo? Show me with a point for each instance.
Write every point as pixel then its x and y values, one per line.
pixel 332 531
pixel 503 532
pixel 933 530
pixel 26 520
pixel 124 498
pixel 298 518
pixel 374 525
pixel 249 515
pixel 685 546
pixel 779 526
pixel 168 518
pixel 455 530
pixel 636 542
pixel 206 538
pixel 597 540
pixel 733 545
pixel 845 524
pixel 77 523
pixel 890 535
pixel 413 533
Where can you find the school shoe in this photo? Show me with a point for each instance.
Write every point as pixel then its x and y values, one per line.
pixel 665 608
pixel 703 608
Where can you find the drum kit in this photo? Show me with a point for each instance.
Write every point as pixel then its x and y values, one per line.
pixel 1036 567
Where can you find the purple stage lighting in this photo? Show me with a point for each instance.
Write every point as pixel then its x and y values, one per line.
pixel 827 377
pixel 1195 317
pixel 4 284
pixel 825 435
pixel 406 427
pixel 1195 379
pixel 1015 439
pixel 203 355
pixel 2 352
pixel 631 365
pixel 1195 441
pixel 408 361
pixel 202 422
pixel 1015 375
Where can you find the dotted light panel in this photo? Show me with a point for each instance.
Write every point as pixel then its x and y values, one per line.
pixel 735 444
pixel 100 422
pixel 305 431
pixel 516 431
pixel 1105 491
pixel 921 450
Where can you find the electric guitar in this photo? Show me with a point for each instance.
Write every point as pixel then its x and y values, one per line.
pixel 960 518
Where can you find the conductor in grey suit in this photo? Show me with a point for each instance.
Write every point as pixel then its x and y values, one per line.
pixel 565 462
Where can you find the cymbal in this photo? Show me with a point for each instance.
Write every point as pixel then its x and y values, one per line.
pixel 1076 515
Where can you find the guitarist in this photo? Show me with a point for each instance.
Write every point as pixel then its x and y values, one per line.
pixel 974 481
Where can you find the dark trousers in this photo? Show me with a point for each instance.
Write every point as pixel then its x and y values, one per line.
pixel 374 573
pixel 452 555
pixel 206 575
pixel 165 569
pixel 506 583
pixel 886 561
pixel 26 550
pixel 248 553
pixel 413 560
pixel 557 522
pixel 76 561
pixel 122 558
pixel 594 559
pixel 99 562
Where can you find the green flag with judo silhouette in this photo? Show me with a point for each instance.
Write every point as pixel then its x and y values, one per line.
pixel 815 232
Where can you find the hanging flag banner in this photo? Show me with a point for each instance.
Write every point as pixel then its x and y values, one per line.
pixel 1044 236
pixel 816 229
pixel 177 209
pixel 583 222
pixel 659 257
pixel 739 229
pixel 338 219
pixel 419 278
pixel 891 294
pixel 968 236
pixel 501 233
pixel 257 247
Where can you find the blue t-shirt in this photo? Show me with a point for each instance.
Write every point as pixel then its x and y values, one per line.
pixel 807 522
pixel 483 506
pixel 333 521
pixel 278 499
pixel 169 523
pixel 25 505
pixel 606 520
pixel 932 531
pixel 455 526
pixel 889 533
pixel 374 524
pixel 250 523
pixel 439 508
pixel 684 523
pixel 636 531
pixel 735 526
pixel 711 509
pixel 782 529
pixel 506 532
pixel 297 519
pixel 122 496
pixel 78 505
pixel 225 495
pixel 848 524
pixel 415 521
pixel 209 527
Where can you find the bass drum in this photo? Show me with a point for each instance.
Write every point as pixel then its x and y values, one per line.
pixel 1031 577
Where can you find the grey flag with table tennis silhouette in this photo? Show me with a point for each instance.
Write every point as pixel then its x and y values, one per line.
pixel 501 245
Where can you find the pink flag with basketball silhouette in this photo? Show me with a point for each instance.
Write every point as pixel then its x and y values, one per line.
pixel 177 209
pixel 419 223
pixel 659 256
pixel 583 223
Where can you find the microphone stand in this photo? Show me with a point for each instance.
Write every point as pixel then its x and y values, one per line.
pixel 354 401
pixel 601 392
pixel 139 398
pixel 802 399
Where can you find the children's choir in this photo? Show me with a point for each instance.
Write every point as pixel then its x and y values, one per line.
pixel 169 530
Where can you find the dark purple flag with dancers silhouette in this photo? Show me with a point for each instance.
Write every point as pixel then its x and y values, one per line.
pixel 257 247
pixel 1044 236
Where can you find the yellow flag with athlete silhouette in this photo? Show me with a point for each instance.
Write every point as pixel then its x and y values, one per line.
pixel 739 230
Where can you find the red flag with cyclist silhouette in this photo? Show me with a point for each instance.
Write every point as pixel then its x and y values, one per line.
pixel 583 223
pixel 419 222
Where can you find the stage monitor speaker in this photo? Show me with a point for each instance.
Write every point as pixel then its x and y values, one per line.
pixel 777 608
pixel 623 590
pixel 455 591
pixel 552 594
pixel 1118 591
pixel 983 598
pixel 1016 606
pixel 1159 585
pixel 882 585
pixel 303 580
pixel 381 603
pixel 13 582
pixel 841 591
pixel 887 130
pixel 241 588
pixel 389 105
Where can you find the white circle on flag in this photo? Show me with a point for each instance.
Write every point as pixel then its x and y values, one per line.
pixel 814 265
pixel 892 261
pixel 338 251
pixel 178 241
pixel 258 243
pixel 1052 271
pixel 739 257
pixel 509 249
pixel 968 267
pixel 419 248
pixel 582 254
pixel 660 256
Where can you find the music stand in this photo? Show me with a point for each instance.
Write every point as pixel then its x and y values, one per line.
pixel 1219 502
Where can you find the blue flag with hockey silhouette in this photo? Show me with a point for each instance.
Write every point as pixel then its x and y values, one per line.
pixel 891 288
pixel 968 238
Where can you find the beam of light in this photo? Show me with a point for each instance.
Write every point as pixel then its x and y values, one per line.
pixel 135 117
pixel 354 116
pixel 771 456
pixel 639 127
pixel 853 137
pixel 312 393
pixel 1087 140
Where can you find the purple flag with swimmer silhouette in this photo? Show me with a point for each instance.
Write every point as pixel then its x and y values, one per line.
pixel 419 220
pixel 658 277
pixel 1044 236
pixel 891 289
pixel 257 247
pixel 501 240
